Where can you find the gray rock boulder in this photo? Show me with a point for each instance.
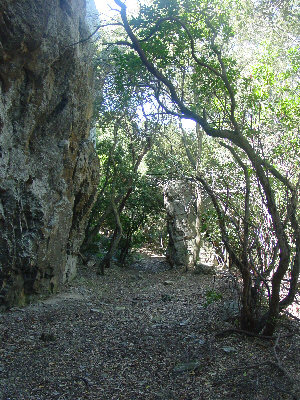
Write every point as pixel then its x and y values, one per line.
pixel 48 167
pixel 181 200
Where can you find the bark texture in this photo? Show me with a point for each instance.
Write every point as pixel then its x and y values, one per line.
pixel 48 167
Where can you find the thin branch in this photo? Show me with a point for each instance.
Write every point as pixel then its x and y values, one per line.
pixel 119 43
pixel 167 110
pixel 243 332
pixel 187 150
pixel 224 76
pixel 93 33
pixel 154 71
pixel 221 221
pixel 277 174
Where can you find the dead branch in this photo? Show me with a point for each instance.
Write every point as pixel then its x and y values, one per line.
pixel 276 364
pixel 294 396
pixel 268 362
pixel 93 33
pixel 279 364
pixel 241 331
pixel 84 260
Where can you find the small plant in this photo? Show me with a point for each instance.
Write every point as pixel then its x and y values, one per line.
pixel 212 296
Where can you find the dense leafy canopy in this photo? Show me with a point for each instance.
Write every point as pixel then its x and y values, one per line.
pixel 232 67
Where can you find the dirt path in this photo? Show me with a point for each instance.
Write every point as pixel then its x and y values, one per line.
pixel 135 334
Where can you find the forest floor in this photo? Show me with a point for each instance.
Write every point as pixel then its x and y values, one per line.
pixel 144 333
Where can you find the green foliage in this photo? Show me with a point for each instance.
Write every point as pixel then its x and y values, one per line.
pixel 123 138
pixel 223 64
pixel 143 213
pixel 211 297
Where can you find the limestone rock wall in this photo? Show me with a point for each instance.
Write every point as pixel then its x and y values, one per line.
pixel 182 205
pixel 48 167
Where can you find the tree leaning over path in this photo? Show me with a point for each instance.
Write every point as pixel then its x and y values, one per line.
pixel 217 68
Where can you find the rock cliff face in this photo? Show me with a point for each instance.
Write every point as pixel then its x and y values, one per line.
pixel 48 168
pixel 181 200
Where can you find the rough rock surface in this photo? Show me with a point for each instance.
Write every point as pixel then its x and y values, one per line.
pixel 48 168
pixel 184 240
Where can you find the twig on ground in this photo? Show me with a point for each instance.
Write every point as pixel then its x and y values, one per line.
pixel 279 364
pixel 234 330
pixel 294 396
pixel 268 362
pixel 82 378
pixel 84 260
pixel 276 364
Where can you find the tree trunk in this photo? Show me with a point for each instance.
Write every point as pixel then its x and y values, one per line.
pixel 125 248
pixel 105 262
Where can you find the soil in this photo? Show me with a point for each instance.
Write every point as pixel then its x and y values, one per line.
pixel 144 332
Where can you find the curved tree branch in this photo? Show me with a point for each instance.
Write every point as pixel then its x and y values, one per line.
pixel 236 138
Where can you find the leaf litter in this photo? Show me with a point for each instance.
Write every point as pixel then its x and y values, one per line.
pixel 140 333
